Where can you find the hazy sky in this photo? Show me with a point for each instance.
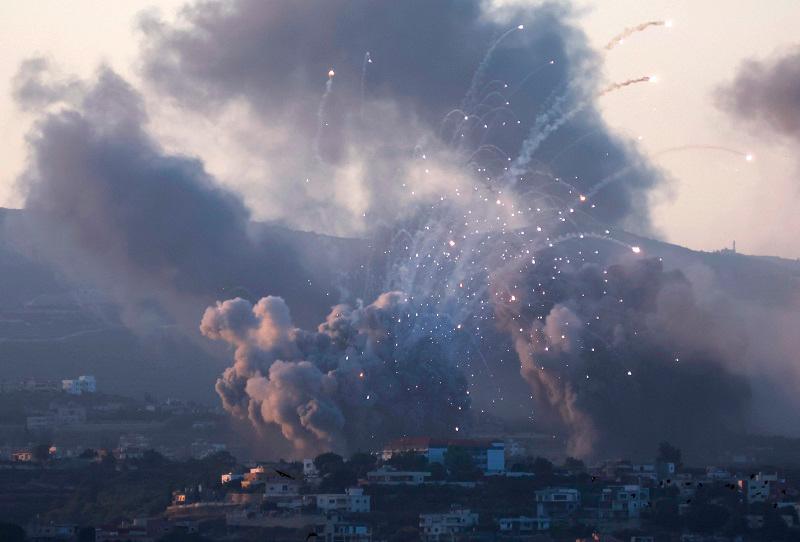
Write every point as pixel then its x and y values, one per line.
pixel 713 198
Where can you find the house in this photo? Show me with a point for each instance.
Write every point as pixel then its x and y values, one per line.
pixel 229 477
pixel 310 471
pixel 523 524
pixel 352 500
pixel 445 526
pixel 82 384
pixel 22 456
pixel 557 502
pixel 623 501
pixel 389 476
pixel 280 488
pixel 51 531
pixel 487 455
pixel 337 529
pixel 255 477
pixel 758 487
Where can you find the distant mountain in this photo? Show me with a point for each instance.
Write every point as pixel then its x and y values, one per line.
pixel 55 327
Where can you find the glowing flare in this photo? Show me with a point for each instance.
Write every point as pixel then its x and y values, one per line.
pixel 331 73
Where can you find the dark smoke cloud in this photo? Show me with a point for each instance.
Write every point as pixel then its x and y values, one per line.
pixel 767 93
pixel 367 374
pixel 37 84
pixel 625 356
pixel 275 56
pixel 105 199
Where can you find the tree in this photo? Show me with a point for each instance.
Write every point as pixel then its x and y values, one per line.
pixel 11 532
pixel 542 467
pixel 573 464
pixel 88 453
pixel 41 452
pixel 458 462
pixel 667 453
pixel 328 462
pixel 408 461
pixel 438 472
pixel 362 463
pixel 707 518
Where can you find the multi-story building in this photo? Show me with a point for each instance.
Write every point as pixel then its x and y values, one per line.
pixel 58 417
pixel 276 488
pixel 623 502
pixel 78 386
pixel 523 525
pixel 389 476
pixel 352 500
pixel 487 455
pixel 444 527
pixel 557 502
pixel 758 487
pixel 337 529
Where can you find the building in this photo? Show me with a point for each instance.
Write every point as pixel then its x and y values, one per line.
pixel 310 471
pixel 389 476
pixel 487 455
pixel 126 533
pixel 58 417
pixel 623 502
pixel 78 386
pixel 229 477
pixel 132 446
pixel 32 384
pixel 443 527
pixel 200 449
pixel 337 529
pixel 758 487
pixel 51 531
pixel 352 500
pixel 557 501
pixel 22 456
pixel 276 488
pixel 523 525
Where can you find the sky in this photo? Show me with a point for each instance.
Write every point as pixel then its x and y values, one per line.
pixel 712 198
pixel 157 132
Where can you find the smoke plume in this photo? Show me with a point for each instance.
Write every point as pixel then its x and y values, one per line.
pixel 366 374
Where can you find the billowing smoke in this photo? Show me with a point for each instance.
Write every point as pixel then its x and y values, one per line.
pixel 450 81
pixel 489 217
pixel 106 200
pixel 366 374
pixel 624 356
pixel 767 94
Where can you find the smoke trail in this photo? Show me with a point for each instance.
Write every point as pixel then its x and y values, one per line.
pixel 367 61
pixel 747 156
pixel 616 86
pixel 619 38
pixel 539 134
pixel 477 78
pixel 323 102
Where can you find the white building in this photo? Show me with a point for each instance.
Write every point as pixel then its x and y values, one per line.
pixel 557 503
pixel 623 502
pixel 523 524
pixel 309 469
pixel 352 500
pixel 390 477
pixel 487 455
pixel 80 385
pixel 442 527
pixel 281 488
pixel 758 487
